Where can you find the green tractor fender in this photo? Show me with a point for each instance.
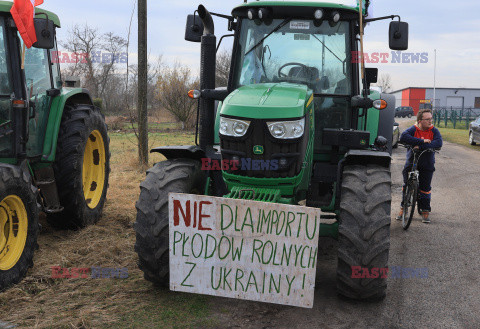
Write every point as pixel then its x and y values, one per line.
pixel 67 97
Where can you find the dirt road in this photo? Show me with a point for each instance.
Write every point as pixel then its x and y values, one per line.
pixel 448 247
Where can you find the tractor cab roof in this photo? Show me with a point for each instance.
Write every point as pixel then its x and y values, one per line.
pixel 5 7
pixel 338 4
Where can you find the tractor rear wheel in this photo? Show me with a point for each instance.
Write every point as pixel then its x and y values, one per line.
pixel 151 226
pixel 82 167
pixel 18 224
pixel 364 232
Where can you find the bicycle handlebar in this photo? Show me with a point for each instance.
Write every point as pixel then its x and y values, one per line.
pixel 408 146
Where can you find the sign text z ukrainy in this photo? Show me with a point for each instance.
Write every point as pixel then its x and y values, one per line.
pixel 243 249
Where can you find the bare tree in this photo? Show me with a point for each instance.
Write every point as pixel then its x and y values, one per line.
pixel 172 87
pixel 223 69
pixel 385 82
pixel 97 56
pixel 84 40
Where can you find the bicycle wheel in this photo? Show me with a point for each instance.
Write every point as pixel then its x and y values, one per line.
pixel 409 203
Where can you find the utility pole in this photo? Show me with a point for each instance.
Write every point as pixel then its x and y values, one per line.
pixel 435 80
pixel 142 84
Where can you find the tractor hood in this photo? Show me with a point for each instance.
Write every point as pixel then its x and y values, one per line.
pixel 267 101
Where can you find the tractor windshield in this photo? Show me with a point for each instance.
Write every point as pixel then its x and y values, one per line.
pixel 296 51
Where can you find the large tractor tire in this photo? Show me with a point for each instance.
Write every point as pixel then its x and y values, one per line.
pixel 364 232
pixel 151 226
pixel 18 225
pixel 82 167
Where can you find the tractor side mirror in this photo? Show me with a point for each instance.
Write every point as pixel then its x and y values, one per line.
pixel 45 30
pixel 194 28
pixel 398 35
pixel 371 75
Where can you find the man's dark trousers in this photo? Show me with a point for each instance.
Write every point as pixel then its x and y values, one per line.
pixel 424 188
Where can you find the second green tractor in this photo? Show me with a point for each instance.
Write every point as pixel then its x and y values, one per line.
pixel 54 147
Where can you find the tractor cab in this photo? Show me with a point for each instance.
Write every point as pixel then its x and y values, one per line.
pixel 28 82
pixel 312 49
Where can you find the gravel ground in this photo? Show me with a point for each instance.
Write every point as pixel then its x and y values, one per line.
pixel 448 247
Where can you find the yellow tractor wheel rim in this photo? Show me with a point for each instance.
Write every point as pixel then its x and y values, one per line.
pixel 93 173
pixel 13 231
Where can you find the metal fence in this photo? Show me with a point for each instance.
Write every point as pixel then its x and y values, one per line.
pixel 456 117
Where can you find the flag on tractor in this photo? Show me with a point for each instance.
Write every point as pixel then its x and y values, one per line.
pixel 23 12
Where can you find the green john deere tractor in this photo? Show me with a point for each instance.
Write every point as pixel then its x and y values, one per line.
pixel 299 119
pixel 54 147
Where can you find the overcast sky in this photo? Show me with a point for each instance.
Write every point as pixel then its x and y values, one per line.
pixel 451 27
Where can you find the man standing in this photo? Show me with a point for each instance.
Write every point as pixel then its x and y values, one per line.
pixel 423 135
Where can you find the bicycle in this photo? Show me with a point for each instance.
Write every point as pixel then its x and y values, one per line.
pixel 410 192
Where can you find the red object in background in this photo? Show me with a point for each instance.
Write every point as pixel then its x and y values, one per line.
pixel 406 97
pixel 22 13
pixel 38 2
pixel 416 94
pixel 412 97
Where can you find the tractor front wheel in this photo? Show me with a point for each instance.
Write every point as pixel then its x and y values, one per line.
pixel 151 226
pixel 81 167
pixel 18 224
pixel 364 232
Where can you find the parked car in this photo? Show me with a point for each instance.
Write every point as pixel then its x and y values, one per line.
pixel 474 134
pixel 404 111
pixel 396 135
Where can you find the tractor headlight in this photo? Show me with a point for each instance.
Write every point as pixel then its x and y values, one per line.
pixel 287 129
pixel 233 127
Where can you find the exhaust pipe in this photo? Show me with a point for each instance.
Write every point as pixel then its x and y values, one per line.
pixel 206 17
pixel 207 79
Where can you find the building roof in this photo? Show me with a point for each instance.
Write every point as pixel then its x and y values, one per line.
pixel 396 91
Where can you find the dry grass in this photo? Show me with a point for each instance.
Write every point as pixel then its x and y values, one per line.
pixel 157 124
pixel 42 302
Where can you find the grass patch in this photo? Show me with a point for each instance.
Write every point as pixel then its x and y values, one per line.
pixel 155 126
pixel 457 136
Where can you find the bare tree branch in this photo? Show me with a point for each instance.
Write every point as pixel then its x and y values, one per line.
pixel 385 82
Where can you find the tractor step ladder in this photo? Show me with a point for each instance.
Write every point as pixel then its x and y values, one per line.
pixel 48 190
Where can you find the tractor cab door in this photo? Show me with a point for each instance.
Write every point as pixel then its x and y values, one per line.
pixel 7 136
pixel 41 76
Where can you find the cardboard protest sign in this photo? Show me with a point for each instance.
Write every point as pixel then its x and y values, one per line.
pixel 243 249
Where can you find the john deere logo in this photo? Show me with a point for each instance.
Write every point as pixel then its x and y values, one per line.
pixel 258 149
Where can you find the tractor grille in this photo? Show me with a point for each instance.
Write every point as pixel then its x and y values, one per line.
pixel 258 194
pixel 288 155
